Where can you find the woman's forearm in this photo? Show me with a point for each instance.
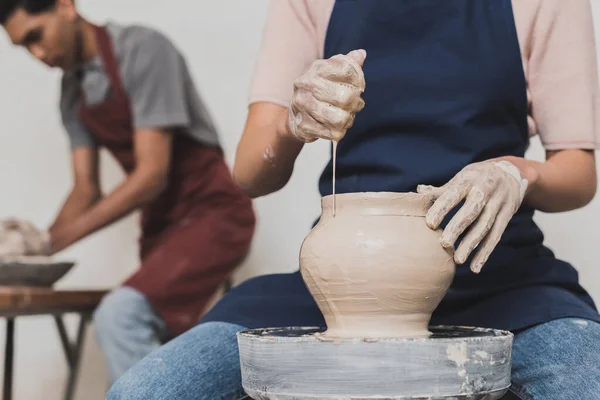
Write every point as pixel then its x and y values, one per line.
pixel 565 181
pixel 267 152
pixel 324 103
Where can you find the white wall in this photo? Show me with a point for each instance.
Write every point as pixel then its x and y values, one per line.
pixel 220 40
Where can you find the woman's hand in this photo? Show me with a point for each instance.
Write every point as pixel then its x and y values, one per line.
pixel 493 192
pixel 327 97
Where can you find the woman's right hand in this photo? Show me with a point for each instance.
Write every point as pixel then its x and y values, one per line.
pixel 327 97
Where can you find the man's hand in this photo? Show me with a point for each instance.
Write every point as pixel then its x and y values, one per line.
pixel 327 97
pixel 142 186
pixel 493 192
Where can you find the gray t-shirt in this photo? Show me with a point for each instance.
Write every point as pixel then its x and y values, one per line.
pixel 156 78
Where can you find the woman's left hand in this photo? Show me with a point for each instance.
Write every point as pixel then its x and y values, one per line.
pixel 493 192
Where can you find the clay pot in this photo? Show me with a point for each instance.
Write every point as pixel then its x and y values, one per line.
pixel 375 269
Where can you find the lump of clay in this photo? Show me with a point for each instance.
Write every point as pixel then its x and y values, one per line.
pixel 375 269
pixel 12 243
pixel 22 242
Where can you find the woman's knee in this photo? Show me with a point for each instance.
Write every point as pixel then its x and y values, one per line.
pixel 203 363
pixel 557 360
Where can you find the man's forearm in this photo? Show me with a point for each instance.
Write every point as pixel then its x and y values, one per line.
pixel 266 154
pixel 77 203
pixel 139 189
pixel 565 181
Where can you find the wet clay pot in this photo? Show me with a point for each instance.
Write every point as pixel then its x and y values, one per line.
pixel 375 269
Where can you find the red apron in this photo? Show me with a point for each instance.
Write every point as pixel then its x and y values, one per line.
pixel 197 231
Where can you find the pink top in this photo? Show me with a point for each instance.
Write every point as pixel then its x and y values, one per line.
pixel 557 44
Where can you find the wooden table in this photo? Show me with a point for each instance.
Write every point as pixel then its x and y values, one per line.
pixel 16 302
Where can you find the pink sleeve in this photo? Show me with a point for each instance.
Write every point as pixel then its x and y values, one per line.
pixel 563 76
pixel 289 46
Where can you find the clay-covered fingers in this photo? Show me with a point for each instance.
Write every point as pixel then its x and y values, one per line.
pixel 304 127
pixel 477 232
pixel 492 239
pixel 464 218
pixel 343 96
pixel 492 193
pixel 344 68
pixel 450 198
pixel 322 120
pixel 327 97
pixel 433 191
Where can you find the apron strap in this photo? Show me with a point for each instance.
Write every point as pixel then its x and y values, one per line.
pixel 108 57
pixel 109 61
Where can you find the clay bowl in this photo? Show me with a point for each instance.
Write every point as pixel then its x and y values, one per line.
pixel 32 272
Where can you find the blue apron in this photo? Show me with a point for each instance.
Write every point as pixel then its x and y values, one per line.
pixel 445 88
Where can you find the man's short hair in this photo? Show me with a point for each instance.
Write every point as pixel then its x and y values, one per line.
pixel 8 7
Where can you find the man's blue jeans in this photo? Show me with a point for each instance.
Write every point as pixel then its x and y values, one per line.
pixel 127 329
pixel 558 360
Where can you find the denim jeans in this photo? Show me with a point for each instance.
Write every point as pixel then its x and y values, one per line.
pixel 127 329
pixel 558 360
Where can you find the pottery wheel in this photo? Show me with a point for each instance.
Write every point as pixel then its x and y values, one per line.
pixel 298 364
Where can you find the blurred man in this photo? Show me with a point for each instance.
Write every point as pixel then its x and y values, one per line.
pixel 128 89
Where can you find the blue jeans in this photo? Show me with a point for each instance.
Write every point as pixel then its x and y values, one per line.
pixel 558 360
pixel 127 329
